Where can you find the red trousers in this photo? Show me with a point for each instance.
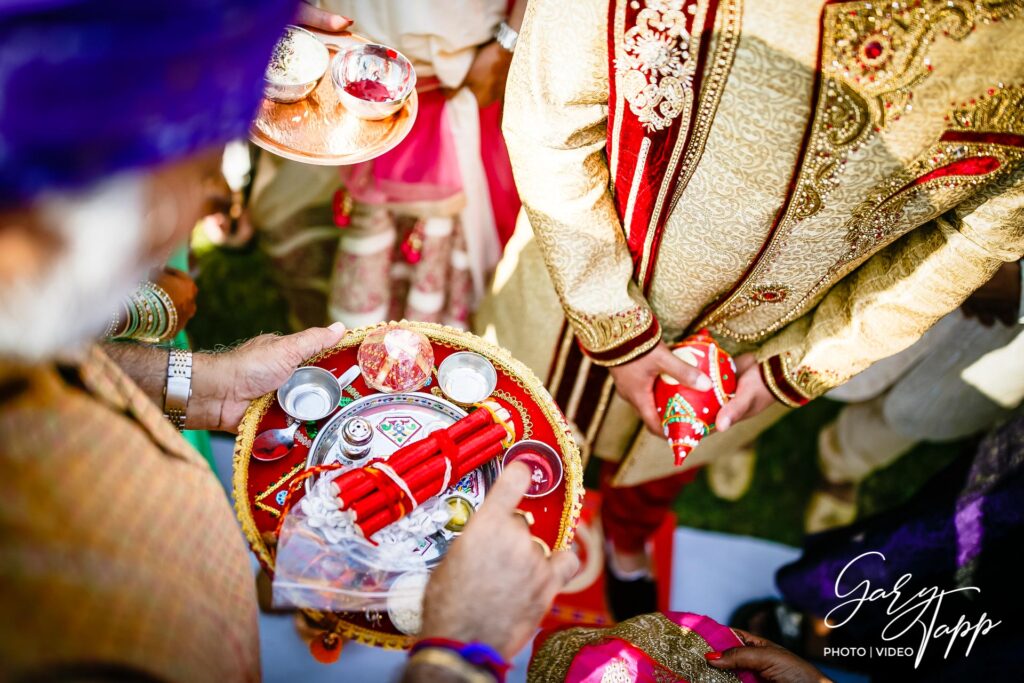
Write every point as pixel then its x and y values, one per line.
pixel 630 515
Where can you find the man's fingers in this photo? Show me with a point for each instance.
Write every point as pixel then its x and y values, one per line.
pixel 508 490
pixel 317 18
pixel 564 564
pixel 683 372
pixel 314 340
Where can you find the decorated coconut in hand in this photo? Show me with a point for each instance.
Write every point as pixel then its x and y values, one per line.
pixel 688 415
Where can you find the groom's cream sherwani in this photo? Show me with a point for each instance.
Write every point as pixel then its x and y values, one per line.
pixel 819 181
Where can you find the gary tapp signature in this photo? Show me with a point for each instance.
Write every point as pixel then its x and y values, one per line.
pixel 917 611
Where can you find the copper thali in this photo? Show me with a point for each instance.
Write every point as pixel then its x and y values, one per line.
pixel 319 130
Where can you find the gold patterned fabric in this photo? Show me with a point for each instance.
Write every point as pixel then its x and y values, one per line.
pixel 675 650
pixel 859 177
pixel 118 549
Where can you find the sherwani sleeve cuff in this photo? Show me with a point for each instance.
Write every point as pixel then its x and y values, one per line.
pixel 779 380
pixel 616 338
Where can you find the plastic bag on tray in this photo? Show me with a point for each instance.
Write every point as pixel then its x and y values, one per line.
pixel 324 563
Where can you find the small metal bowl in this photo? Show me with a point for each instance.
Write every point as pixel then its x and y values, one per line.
pixel 290 80
pixel 310 394
pixel 545 466
pixel 372 81
pixel 462 509
pixel 466 378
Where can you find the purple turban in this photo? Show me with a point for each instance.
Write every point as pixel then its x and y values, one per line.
pixel 89 88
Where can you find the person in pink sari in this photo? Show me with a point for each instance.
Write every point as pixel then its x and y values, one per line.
pixel 416 232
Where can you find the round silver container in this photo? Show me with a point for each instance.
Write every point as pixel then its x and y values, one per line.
pixel 373 67
pixel 309 394
pixel 527 450
pixel 466 378
pixel 302 78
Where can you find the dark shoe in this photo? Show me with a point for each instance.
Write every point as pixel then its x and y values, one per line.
pixel 629 598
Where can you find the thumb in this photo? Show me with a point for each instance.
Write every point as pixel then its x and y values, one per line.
pixel 302 345
pixel 732 411
pixel 564 564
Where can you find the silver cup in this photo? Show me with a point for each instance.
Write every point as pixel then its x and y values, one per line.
pixel 309 394
pixel 304 74
pixel 372 81
pixel 466 378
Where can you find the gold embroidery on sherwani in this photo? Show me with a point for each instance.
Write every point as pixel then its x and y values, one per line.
pixel 720 61
pixel 726 40
pixel 620 103
pixel 655 72
pixel 898 204
pixel 872 56
pixel 601 332
pixel 672 647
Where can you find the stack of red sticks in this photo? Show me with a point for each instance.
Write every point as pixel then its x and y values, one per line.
pixel 385 491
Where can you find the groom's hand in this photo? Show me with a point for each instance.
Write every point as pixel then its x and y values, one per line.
pixel 752 396
pixel 635 381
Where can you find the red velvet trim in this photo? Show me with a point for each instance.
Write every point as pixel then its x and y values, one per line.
pixel 973 166
pixel 632 134
pixel 623 349
pixel 1006 139
pixel 774 365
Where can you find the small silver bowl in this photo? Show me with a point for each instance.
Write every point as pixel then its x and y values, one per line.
pixel 310 394
pixel 297 64
pixel 546 468
pixel 372 81
pixel 466 378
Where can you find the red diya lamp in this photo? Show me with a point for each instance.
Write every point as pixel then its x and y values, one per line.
pixel 688 415
pixel 545 466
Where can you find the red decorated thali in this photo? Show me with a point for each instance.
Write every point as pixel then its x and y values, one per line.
pixel 260 487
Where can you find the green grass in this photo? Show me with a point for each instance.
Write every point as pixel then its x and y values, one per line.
pixel 786 473
pixel 238 299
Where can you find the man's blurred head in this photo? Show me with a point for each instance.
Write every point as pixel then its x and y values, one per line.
pixel 111 115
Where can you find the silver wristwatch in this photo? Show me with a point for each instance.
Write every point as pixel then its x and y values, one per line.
pixel 179 386
pixel 507 36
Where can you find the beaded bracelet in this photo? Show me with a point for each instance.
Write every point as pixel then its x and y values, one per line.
pixel 476 653
pixel 451 662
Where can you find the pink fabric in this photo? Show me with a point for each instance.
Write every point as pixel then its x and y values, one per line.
pixel 423 167
pixel 504 197
pixel 593 661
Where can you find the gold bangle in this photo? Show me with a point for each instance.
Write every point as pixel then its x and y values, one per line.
pixel 452 663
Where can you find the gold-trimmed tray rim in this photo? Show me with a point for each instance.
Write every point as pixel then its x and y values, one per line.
pixel 456 338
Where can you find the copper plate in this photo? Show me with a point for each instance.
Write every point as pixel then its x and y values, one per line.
pixel 319 130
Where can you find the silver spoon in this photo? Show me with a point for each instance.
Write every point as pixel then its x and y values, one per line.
pixel 274 444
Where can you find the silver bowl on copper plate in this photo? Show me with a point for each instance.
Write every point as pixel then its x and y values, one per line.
pixel 297 64
pixel 372 81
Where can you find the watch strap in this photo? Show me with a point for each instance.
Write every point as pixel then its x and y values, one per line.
pixel 178 389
